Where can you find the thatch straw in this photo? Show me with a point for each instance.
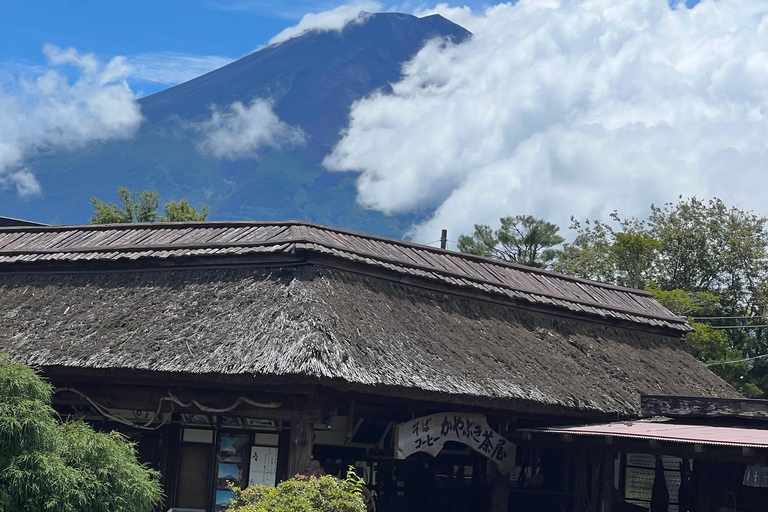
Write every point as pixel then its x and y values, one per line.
pixel 343 329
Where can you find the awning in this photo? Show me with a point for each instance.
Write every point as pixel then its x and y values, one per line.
pixel 670 432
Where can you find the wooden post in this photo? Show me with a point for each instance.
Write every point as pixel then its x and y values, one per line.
pixel 500 491
pixel 580 482
pixel 594 483
pixel 701 478
pixel 300 449
pixel 606 482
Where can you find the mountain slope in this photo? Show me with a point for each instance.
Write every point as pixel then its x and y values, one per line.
pixel 312 80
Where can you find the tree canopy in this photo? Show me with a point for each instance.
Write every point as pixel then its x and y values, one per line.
pixel 135 207
pixel 47 466
pixel 523 239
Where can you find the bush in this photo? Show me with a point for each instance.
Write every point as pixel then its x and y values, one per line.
pixel 46 465
pixel 303 494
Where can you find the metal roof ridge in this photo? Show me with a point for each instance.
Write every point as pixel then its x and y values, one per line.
pixel 312 225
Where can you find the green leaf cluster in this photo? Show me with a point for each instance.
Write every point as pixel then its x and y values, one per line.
pixel 624 254
pixel 135 207
pixel 303 494
pixel 523 239
pixel 46 465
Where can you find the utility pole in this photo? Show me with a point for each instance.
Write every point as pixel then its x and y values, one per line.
pixel 444 239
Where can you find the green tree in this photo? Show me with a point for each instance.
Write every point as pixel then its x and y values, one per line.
pixel 49 466
pixel 624 254
pixel 183 212
pixel 302 494
pixel 135 207
pixel 523 239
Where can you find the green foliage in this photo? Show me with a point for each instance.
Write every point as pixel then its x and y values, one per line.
pixel 686 303
pixel 302 494
pixel 183 212
pixel 523 239
pixel 482 242
pixel 49 466
pixel 135 207
pixel 623 255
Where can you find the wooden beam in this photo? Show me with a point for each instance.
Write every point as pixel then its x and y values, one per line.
pixel 145 398
pixel 703 407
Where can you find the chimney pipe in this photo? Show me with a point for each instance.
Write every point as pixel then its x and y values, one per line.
pixel 444 239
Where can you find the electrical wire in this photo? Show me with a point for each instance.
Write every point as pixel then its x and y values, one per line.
pixel 728 317
pixel 739 360
pixel 738 326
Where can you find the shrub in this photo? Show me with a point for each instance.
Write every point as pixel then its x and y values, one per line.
pixel 303 494
pixel 46 465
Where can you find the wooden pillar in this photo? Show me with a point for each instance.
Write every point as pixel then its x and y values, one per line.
pixel 580 482
pixel 701 479
pixel 594 483
pixel 500 491
pixel 606 482
pixel 170 467
pixel 300 448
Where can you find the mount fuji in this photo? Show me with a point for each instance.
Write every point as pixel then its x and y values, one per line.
pixel 310 81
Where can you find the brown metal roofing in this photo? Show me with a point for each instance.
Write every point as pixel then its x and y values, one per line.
pixel 698 434
pixel 179 240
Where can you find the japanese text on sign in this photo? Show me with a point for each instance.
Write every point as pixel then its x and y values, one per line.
pixel 429 434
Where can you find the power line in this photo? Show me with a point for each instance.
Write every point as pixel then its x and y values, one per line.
pixel 738 326
pixel 739 360
pixel 727 317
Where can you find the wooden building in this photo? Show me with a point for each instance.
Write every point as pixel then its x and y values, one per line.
pixel 251 351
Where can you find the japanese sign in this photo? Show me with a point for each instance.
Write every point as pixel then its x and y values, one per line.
pixel 263 466
pixel 429 434
pixel 756 476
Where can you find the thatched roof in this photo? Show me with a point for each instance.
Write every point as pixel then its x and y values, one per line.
pixel 143 245
pixel 344 330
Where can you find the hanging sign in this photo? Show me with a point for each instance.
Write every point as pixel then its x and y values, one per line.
pixel 756 476
pixel 429 434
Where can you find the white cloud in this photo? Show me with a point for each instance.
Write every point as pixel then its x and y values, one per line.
pixel 560 107
pixel 333 20
pixel 43 108
pixel 171 68
pixel 25 182
pixel 241 131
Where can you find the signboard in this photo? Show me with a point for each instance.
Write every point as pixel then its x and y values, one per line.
pixel 429 434
pixel 263 469
pixel 756 476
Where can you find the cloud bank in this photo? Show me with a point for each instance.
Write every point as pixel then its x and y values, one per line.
pixel 46 109
pixel 561 107
pixel 327 21
pixel 242 131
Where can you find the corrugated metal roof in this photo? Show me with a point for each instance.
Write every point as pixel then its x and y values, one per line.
pixel 671 432
pixel 179 240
